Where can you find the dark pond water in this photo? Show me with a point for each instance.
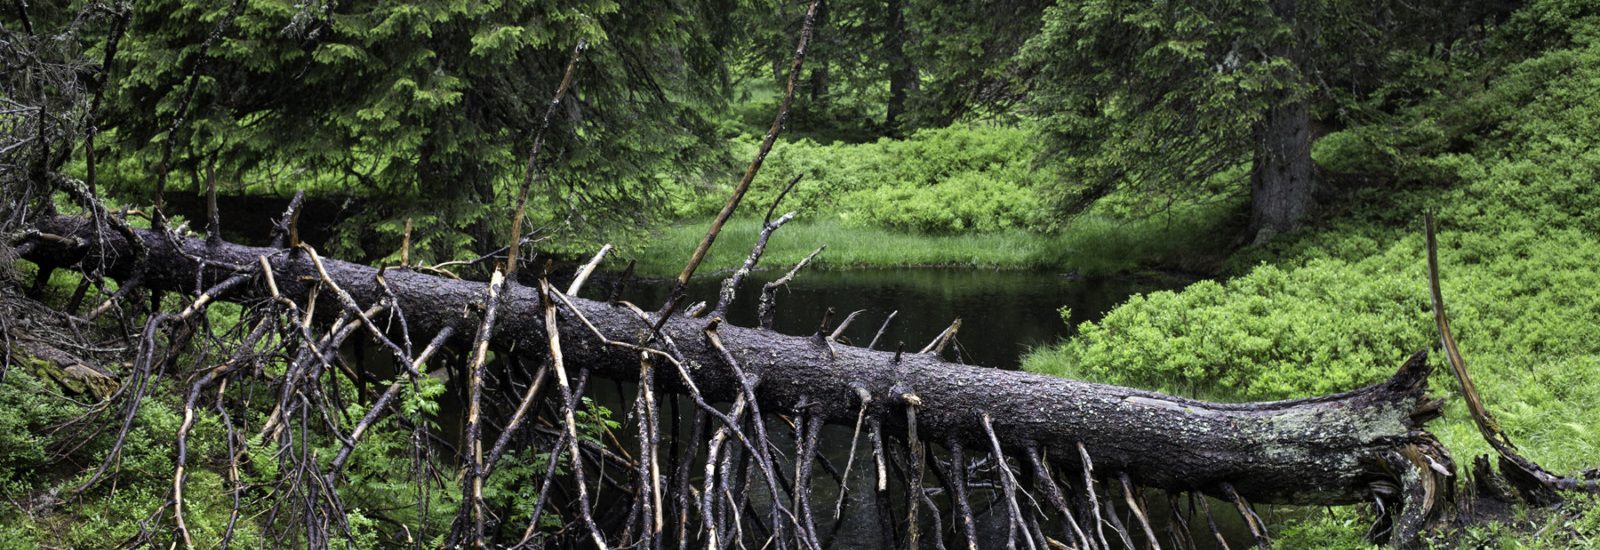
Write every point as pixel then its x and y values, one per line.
pixel 1003 313
pixel 859 525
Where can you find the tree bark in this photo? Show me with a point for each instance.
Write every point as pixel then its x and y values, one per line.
pixel 1282 191
pixel 1333 449
pixel 1282 188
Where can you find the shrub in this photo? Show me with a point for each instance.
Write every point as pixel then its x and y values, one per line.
pixel 1511 170
pixel 960 178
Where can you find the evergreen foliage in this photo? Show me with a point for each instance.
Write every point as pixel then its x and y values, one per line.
pixel 888 67
pixel 424 110
pixel 1180 101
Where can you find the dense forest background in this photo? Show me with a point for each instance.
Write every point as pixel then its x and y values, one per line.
pixel 1282 152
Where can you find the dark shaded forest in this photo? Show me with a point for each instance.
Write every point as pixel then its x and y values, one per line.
pixel 531 274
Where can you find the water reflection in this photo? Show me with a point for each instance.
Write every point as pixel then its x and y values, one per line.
pixel 1003 313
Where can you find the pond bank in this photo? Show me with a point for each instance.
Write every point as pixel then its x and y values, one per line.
pixel 1089 246
pixel 1004 313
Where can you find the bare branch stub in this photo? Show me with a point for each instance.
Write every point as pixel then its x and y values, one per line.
pixel 213 220
pixel 766 311
pixel 915 494
pixel 834 337
pixel 553 331
pixel 587 270
pixel 939 342
pixel 730 286
pixel 475 473
pixel 1258 529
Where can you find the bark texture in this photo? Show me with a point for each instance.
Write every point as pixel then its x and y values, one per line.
pixel 1282 188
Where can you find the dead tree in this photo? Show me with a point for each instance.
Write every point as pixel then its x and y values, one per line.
pixel 1098 443
pixel 1338 449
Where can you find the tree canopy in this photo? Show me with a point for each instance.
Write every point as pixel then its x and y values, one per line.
pixel 424 110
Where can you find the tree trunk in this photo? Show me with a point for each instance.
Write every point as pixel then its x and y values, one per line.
pixel 1334 449
pixel 819 61
pixel 1282 188
pixel 902 73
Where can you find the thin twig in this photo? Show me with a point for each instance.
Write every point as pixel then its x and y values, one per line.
pixel 956 478
pixel 865 398
pixel 533 157
pixel 881 329
pixel 1043 478
pixel 1094 502
pixel 1129 497
pixel 730 286
pixel 1205 505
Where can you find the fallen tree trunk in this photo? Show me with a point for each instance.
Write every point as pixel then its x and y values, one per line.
pixel 1336 449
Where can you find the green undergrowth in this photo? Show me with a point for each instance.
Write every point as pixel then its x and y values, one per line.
pixel 52 439
pixel 1089 244
pixel 48 448
pixel 44 456
pixel 1572 525
pixel 966 177
pixel 665 251
pixel 1510 170
pixel 968 195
